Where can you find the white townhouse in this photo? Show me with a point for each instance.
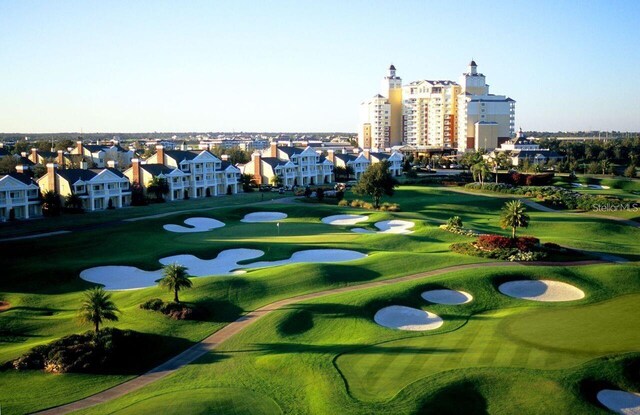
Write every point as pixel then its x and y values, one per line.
pixel 206 174
pixel 395 160
pixel 98 188
pixel 358 162
pixel 19 197
pixel 294 165
pixel 100 154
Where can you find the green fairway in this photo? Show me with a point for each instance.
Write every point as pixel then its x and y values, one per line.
pixel 205 401
pixel 40 281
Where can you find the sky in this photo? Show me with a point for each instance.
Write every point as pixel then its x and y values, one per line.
pixel 277 66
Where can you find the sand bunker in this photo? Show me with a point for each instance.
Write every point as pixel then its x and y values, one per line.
pixel 451 297
pixel 197 225
pixel 396 226
pixel 621 402
pixel 263 217
pixel 591 186
pixel 115 277
pixel 541 290
pixel 4 306
pixel 341 220
pixel 407 318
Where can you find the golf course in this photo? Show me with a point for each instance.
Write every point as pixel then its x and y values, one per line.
pixel 313 308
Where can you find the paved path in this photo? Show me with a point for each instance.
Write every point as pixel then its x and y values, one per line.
pixel 37 235
pixel 543 208
pixel 228 331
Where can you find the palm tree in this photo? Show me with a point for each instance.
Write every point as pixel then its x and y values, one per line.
pixel 514 216
pixel 174 279
pixel 481 171
pixel 50 203
pixel 159 187
pixel 73 201
pixel 97 307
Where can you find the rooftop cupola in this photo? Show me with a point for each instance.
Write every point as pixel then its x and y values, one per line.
pixel 473 67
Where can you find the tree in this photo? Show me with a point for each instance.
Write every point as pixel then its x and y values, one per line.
pixel 376 182
pixel 480 172
pixel 175 278
pixel 50 203
pixel 8 164
pixel 276 181
pixel 73 201
pixel 158 187
pixel 514 216
pixel 246 182
pixel 96 307
pixel 630 171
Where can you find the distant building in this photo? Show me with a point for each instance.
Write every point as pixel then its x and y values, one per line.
pixel 520 149
pixel 438 114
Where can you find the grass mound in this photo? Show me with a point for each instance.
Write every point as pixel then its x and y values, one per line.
pixel 176 311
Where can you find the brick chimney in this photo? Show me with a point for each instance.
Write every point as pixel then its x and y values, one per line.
pixel 135 171
pixel 367 154
pixel 331 156
pixel 33 156
pixel 84 165
pixel 21 168
pixel 112 164
pixel 256 159
pixel 224 157
pixel 160 154
pixel 273 150
pixel 60 157
pixel 52 177
pixel 23 153
pixel 79 147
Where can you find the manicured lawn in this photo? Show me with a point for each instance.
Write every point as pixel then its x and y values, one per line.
pixel 496 354
pixel 40 280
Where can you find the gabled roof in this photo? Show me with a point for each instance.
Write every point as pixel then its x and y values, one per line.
pixel 23 161
pixel 94 148
pixel 21 177
pixel 180 155
pixel 274 161
pixel 346 157
pixel 4 152
pixel 74 175
pixel 290 151
pixel 156 169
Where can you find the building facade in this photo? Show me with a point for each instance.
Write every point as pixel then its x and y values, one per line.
pixel 436 114
pixel 19 197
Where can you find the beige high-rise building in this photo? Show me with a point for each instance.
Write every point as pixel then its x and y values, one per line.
pixel 430 113
pixel 437 114
pixel 485 120
pixel 381 117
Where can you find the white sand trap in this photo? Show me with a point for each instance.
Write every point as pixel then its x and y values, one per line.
pixel 263 217
pixel 197 225
pixel 621 402
pixel 341 220
pixel 116 277
pixel 451 297
pixel 401 227
pixel 541 290
pixel 316 256
pixel 407 318
pixel 599 187
pixel 225 264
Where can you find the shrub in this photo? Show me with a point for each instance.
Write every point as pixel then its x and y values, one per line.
pixel 154 304
pixel 343 202
pixel 109 349
pixel 527 243
pixel 390 207
pixel 454 222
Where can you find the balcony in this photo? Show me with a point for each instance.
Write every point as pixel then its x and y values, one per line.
pixel 98 192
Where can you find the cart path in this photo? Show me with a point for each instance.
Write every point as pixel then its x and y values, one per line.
pixel 213 341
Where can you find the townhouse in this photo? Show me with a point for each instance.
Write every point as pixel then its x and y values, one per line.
pixel 97 188
pixel 100 154
pixel 19 196
pixel 203 174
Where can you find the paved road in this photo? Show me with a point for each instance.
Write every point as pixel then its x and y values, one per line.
pixel 214 340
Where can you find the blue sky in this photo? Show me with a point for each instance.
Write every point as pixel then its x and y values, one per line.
pixel 137 66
